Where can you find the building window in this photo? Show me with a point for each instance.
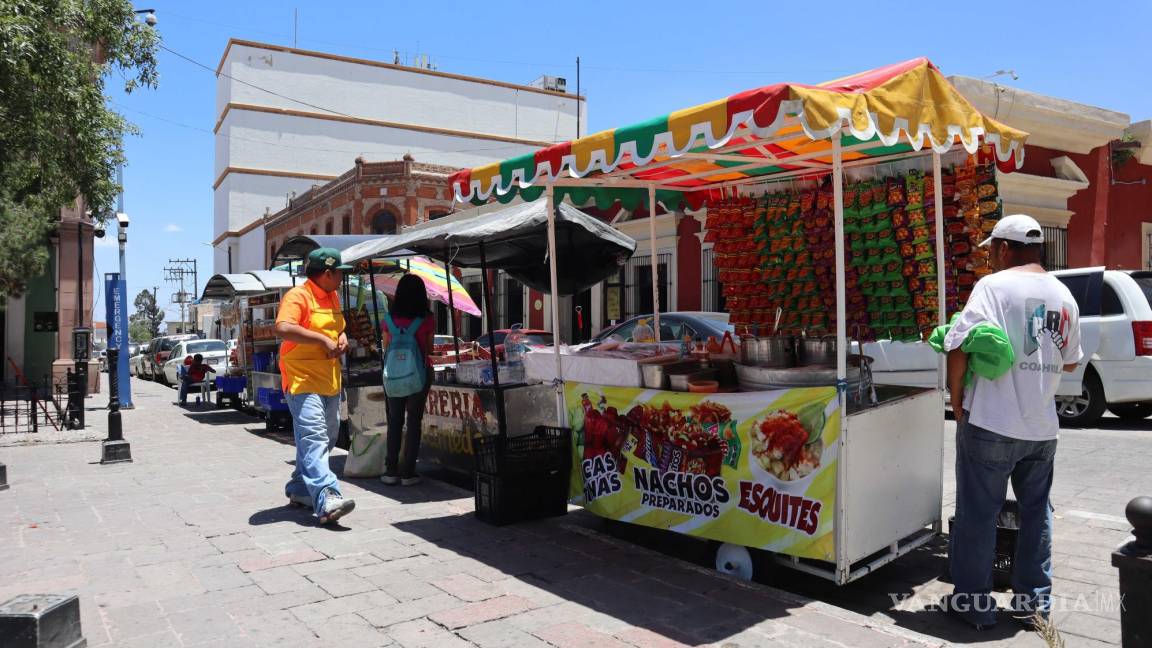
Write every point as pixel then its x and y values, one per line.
pixel 312 231
pixel 631 294
pixel 1055 248
pixel 328 226
pixel 712 291
pixel 1146 248
pixel 433 214
pixel 384 222
pixel 345 225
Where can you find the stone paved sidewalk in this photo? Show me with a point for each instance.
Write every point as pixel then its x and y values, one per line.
pixel 192 545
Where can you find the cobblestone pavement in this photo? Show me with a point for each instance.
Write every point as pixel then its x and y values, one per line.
pixel 192 545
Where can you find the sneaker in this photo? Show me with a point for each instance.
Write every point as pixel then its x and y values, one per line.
pixel 390 479
pixel 335 507
pixel 410 481
pixel 300 500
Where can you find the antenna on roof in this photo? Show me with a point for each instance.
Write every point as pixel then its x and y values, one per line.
pixel 1000 73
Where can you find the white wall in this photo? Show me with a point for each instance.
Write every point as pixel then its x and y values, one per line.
pixel 395 95
pixel 302 144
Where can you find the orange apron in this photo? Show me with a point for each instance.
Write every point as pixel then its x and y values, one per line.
pixel 306 368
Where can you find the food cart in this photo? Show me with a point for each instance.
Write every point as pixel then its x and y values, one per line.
pixel 810 463
pixel 487 397
pixel 249 302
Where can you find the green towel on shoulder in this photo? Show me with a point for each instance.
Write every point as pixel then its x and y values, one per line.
pixel 989 350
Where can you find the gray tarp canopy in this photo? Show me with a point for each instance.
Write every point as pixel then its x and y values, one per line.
pixel 225 287
pixel 515 239
pixel 298 247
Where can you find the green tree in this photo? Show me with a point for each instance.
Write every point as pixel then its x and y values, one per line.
pixel 147 318
pixel 58 138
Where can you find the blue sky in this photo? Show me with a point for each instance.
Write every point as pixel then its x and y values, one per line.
pixel 639 60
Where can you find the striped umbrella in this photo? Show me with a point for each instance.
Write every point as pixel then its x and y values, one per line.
pixel 435 281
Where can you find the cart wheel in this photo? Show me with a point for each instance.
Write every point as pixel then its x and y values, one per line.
pixel 735 560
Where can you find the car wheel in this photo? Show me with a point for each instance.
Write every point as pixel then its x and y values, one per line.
pixel 1131 411
pixel 1087 408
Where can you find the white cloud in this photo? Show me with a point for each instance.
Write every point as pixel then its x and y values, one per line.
pixel 172 227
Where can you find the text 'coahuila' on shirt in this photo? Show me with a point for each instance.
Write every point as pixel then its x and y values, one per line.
pixel 1042 320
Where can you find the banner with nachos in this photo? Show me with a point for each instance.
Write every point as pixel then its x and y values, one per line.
pixel 756 469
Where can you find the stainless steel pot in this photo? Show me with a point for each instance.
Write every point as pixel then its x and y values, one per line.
pixel 654 376
pixel 816 351
pixel 770 351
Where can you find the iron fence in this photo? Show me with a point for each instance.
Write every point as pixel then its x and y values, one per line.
pixel 1055 248
pixel 711 291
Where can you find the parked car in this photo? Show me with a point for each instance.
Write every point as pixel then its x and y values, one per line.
pixel 215 354
pixel 158 353
pixel 1116 335
pixel 136 360
pixel 533 338
pixel 674 326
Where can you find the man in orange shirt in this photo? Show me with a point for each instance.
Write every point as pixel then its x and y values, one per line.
pixel 312 326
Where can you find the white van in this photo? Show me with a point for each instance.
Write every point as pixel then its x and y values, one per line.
pixel 1116 336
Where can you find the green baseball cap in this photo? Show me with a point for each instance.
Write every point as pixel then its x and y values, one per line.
pixel 324 259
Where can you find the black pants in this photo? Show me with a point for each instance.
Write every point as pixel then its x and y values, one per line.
pixel 408 409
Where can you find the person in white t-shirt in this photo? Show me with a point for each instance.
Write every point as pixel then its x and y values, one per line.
pixel 1007 428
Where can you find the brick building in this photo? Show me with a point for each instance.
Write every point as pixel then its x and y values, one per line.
pixel 370 198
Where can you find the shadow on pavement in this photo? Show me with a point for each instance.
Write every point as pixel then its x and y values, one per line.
pixel 632 584
pixel 297 514
pixel 429 490
pixel 210 416
pixel 1131 425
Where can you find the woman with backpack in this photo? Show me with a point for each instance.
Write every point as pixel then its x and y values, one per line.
pixel 407 340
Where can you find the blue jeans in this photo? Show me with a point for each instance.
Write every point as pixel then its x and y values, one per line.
pixel 315 424
pixel 985 461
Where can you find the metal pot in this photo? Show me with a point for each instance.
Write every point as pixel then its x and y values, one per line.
pixel 770 351
pixel 816 351
pixel 654 376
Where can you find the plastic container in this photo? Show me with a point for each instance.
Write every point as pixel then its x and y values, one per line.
pixel 504 500
pixel 1007 532
pixel 271 400
pixel 514 345
pixel 231 384
pixel 643 332
pixel 546 449
pixel 703 386
pixel 262 361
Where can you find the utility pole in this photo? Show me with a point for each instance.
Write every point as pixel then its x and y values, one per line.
pixel 178 272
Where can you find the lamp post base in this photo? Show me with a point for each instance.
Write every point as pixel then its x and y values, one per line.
pixel 119 451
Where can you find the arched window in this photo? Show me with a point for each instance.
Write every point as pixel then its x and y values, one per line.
pixel 312 231
pixel 328 226
pixel 384 222
pixel 345 225
pixel 433 214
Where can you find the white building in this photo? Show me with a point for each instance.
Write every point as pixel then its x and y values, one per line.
pixel 289 118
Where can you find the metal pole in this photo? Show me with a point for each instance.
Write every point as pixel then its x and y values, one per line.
pixel 652 260
pixel 114 449
pixel 842 565
pixel 577 98
pixel 501 420
pixel 375 312
pixel 451 307
pixel 555 287
pixel 941 306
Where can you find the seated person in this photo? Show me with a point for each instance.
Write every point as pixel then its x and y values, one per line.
pixel 195 373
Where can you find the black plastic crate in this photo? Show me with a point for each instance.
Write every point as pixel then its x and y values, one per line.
pixel 504 500
pixel 1007 532
pixel 546 449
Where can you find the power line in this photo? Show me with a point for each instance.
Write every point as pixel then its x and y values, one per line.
pixel 381 152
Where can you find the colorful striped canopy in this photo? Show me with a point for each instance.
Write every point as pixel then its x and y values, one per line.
pixel 434 279
pixel 779 129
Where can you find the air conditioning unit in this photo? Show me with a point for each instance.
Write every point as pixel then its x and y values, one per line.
pixel 558 84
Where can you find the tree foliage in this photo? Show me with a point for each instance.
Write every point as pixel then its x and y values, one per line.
pixel 58 137
pixel 147 318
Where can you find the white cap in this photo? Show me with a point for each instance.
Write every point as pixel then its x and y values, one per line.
pixel 1016 227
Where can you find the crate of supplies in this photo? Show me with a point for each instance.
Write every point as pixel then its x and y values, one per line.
pixel 271 400
pixel 504 500
pixel 231 384
pixel 1007 531
pixel 546 449
pixel 262 361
